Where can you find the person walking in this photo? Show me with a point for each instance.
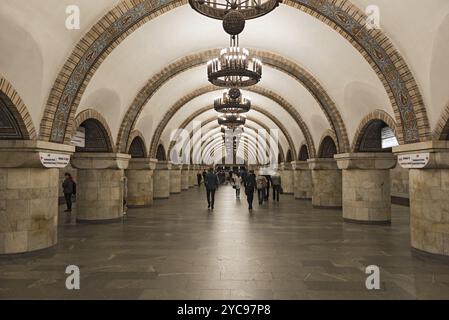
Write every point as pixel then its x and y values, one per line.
pixel 211 183
pixel 250 187
pixel 262 183
pixel 237 184
pixel 69 189
pixel 276 183
pixel 199 178
pixel 267 191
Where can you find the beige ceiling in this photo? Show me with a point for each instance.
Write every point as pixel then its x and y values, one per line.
pixel 35 45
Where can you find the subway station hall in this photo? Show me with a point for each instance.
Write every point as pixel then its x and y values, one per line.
pixel 224 150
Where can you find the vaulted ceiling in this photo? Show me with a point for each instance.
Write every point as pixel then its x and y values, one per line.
pixel 315 79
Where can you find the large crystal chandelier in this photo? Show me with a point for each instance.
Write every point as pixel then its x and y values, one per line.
pixel 232 102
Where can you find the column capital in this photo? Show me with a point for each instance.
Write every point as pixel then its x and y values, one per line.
pixel 142 164
pixel 424 155
pixel 27 153
pixel 185 167
pixel 176 166
pixel 366 161
pixel 99 160
pixel 322 164
pixel 286 166
pixel 300 165
pixel 163 165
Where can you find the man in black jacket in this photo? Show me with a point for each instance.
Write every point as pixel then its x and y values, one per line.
pixel 250 187
pixel 69 188
pixel 211 183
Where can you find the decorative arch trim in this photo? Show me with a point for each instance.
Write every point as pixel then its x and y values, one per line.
pixel 341 15
pixel 441 131
pixel 18 109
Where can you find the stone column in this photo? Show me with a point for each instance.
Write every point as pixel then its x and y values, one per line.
pixel 429 195
pixel 302 180
pixel 175 179
pixel 366 186
pixel 286 173
pixel 185 174
pixel 100 189
pixel 327 183
pixel 192 176
pixel 29 190
pixel 140 182
pixel 161 182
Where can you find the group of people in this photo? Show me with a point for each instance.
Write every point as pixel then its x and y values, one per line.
pixel 250 182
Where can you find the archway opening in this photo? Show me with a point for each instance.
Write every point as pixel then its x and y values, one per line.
pixel 9 125
pixel 137 148
pixel 377 137
pixel 160 154
pixel 303 153
pixel 328 148
pixel 96 137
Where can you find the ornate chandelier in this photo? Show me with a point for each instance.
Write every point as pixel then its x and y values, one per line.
pixel 232 120
pixel 234 67
pixel 250 9
pixel 232 102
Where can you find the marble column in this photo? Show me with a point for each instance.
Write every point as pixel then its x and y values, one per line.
pixel 140 182
pixel 100 189
pixel 287 177
pixel 366 186
pixel 302 180
pixel 175 179
pixel 429 195
pixel 327 183
pixel 185 174
pixel 161 181
pixel 29 191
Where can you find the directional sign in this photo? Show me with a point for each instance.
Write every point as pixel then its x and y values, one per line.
pixel 52 160
pixel 79 140
pixel 414 161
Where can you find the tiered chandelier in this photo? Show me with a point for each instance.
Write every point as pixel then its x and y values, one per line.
pixel 234 67
pixel 232 102
pixel 232 120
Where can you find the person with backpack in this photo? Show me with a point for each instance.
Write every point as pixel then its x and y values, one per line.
pixel 250 188
pixel 69 189
pixel 276 182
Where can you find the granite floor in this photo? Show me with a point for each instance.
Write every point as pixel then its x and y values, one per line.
pixel 179 250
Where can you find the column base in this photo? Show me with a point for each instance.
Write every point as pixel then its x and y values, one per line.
pixel 328 207
pixel 366 222
pixel 427 255
pixel 105 221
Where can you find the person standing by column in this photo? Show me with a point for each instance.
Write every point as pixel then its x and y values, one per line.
pixel 267 191
pixel 262 183
pixel 276 182
pixel 69 189
pixel 211 183
pixel 250 188
pixel 199 178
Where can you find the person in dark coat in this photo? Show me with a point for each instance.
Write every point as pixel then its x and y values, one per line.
pixel 211 182
pixel 69 189
pixel 250 188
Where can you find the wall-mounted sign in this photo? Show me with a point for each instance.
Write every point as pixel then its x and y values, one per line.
pixel 52 160
pixel 414 161
pixel 79 140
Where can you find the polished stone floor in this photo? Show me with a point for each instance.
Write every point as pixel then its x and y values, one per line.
pixel 179 250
